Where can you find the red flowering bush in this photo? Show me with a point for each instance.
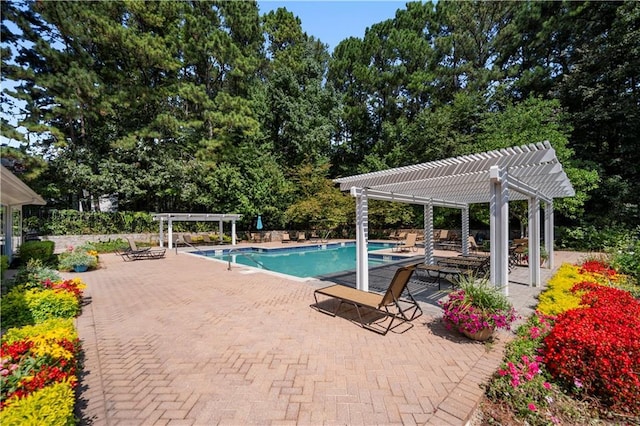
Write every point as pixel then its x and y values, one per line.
pixel 597 267
pixel 596 348
pixel 73 286
pixel 23 370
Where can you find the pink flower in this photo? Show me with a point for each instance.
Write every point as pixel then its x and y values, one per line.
pixel 533 407
pixel 547 385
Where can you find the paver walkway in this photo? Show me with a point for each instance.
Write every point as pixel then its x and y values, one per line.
pixel 184 341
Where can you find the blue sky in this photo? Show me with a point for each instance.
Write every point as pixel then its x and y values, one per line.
pixel 333 21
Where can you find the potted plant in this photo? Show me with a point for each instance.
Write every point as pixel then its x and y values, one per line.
pixel 477 309
pixel 78 260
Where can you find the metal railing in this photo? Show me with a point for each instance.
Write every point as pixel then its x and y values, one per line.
pixel 190 245
pixel 238 252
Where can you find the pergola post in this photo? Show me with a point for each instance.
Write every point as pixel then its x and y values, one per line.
pixel 8 231
pixel 499 206
pixel 170 232
pixel 233 232
pixel 362 257
pixel 465 231
pixel 548 232
pixel 534 241
pixel 161 233
pixel 221 231
pixel 428 234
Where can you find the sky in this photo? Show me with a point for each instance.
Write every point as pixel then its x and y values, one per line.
pixel 332 21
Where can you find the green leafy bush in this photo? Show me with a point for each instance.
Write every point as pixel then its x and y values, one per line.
pixel 625 255
pixel 51 405
pixel 4 265
pixel 110 246
pixel 42 250
pixel 26 307
pixel 14 309
pixel 34 273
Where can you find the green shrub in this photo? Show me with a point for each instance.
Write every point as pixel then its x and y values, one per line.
pixel 4 265
pixel 42 250
pixel 34 273
pixel 14 309
pixel 45 304
pixel 625 255
pixel 51 405
pixel 110 246
pixel 588 238
pixel 22 306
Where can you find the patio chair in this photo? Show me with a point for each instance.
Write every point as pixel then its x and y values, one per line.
pixel 187 240
pixel 473 246
pixel 134 253
pixel 409 244
pixel 286 238
pixel 389 305
pixel 301 237
pixel 133 248
pixel 207 240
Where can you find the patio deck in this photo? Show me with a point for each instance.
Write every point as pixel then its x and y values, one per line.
pixel 184 341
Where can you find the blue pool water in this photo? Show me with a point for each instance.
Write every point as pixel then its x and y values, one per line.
pixel 306 261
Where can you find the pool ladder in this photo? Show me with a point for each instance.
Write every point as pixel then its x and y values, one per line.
pixel 248 256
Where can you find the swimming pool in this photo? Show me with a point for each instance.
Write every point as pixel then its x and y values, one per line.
pixel 304 261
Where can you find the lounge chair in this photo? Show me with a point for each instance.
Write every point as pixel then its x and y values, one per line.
pixel 187 240
pixel 409 244
pixel 286 238
pixel 473 246
pixel 133 248
pixel 389 305
pixel 301 237
pixel 134 253
pixel 207 240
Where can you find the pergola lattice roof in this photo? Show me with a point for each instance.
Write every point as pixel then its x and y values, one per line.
pixel 465 179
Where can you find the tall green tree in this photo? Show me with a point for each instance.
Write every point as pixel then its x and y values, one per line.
pixel 299 106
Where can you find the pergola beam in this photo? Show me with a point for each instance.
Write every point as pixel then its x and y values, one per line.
pixel 196 217
pixel 529 172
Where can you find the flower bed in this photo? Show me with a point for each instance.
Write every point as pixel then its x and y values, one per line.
pixel 40 349
pixel 558 365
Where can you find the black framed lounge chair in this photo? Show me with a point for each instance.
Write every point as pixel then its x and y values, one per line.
pixel 286 238
pixel 133 248
pixel 301 237
pixel 387 307
pixel 134 253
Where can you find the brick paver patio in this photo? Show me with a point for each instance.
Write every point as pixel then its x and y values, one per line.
pixel 184 341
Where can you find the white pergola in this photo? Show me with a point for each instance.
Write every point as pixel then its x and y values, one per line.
pixel 530 172
pixel 14 195
pixel 196 217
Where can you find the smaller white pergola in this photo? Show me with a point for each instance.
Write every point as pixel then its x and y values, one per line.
pixel 196 217
pixel 529 172
pixel 14 195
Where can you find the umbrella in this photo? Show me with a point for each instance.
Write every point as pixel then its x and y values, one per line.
pixel 259 224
